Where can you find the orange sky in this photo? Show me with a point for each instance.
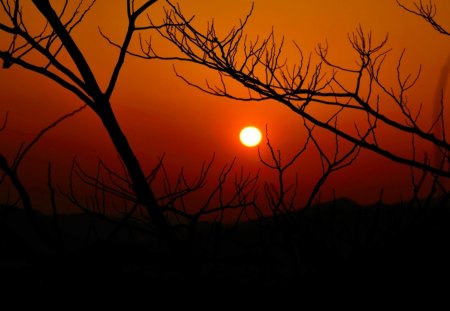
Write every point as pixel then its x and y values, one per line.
pixel 162 115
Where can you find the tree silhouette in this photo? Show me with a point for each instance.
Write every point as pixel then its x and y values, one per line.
pixel 427 11
pixel 306 239
pixel 259 66
pixel 49 43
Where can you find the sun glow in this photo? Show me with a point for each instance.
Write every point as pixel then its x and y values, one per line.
pixel 250 136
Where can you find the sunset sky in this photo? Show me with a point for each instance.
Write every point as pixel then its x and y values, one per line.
pixel 162 115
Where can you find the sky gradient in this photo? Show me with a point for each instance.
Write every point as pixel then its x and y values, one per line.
pixel 162 115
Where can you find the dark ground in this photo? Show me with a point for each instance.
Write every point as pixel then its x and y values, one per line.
pixel 328 245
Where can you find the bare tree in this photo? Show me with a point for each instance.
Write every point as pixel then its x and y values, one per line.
pixel 259 66
pixel 11 171
pixel 48 43
pixel 427 11
pixel 166 212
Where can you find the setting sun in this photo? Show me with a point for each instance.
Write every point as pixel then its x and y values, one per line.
pixel 250 136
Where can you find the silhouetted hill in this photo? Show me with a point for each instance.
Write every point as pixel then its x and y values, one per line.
pixel 325 243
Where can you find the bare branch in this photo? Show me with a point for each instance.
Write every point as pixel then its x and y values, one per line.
pixel 259 67
pixel 5 121
pixel 427 11
pixel 45 130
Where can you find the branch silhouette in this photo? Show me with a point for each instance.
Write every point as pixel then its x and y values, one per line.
pixel 427 11
pixel 50 41
pixel 11 171
pixel 260 67
pixel 294 233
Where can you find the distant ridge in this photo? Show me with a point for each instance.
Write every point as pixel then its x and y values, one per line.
pixel 333 240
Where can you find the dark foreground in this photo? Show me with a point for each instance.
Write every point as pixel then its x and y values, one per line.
pixel 326 246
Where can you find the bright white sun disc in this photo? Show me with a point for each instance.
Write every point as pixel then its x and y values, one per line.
pixel 250 136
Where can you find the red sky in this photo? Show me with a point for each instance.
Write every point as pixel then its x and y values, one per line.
pixel 162 115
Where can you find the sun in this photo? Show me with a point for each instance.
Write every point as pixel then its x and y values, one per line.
pixel 250 136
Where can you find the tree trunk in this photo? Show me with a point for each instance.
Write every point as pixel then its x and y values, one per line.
pixel 103 109
pixel 141 187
